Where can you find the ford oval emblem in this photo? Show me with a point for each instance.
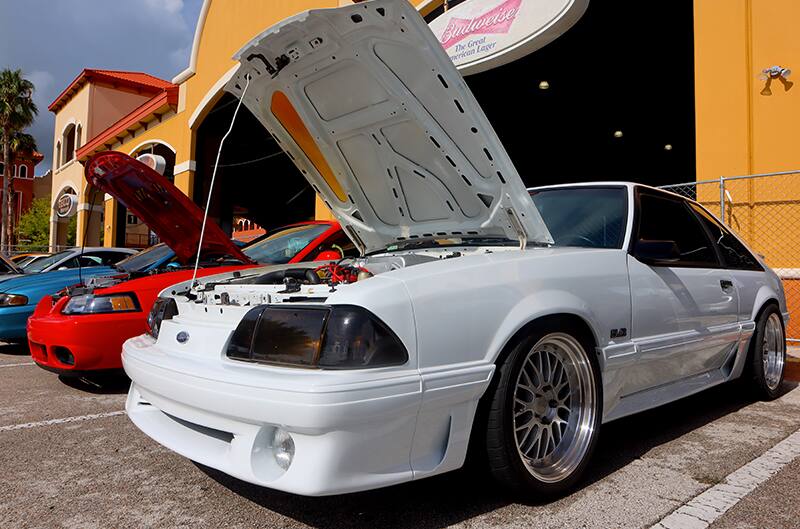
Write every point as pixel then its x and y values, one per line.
pixel 182 337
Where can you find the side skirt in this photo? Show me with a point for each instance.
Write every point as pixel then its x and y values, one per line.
pixel 652 398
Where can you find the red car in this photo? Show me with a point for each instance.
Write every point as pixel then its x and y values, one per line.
pixel 80 331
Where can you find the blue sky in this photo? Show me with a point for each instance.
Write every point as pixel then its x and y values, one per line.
pixel 53 40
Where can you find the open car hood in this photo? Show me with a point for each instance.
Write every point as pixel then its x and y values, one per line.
pixel 365 101
pixel 159 204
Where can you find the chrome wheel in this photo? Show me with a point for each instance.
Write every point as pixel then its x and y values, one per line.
pixel 773 348
pixel 554 407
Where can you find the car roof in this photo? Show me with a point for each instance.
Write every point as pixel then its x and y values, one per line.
pixel 610 183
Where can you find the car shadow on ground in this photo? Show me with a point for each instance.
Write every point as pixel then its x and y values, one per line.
pixel 458 496
pixel 14 349
pixel 117 384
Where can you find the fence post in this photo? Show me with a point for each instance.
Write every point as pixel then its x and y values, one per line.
pixel 722 199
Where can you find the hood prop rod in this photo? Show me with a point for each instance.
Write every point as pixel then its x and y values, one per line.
pixel 193 284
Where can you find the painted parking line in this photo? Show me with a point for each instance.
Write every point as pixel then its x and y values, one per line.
pixel 17 365
pixel 64 420
pixel 702 510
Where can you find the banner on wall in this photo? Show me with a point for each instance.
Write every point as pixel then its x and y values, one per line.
pixel 483 34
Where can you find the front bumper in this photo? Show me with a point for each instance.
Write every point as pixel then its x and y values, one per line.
pixel 94 341
pixel 348 436
pixel 13 321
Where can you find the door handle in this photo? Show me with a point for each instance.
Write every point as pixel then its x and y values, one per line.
pixel 726 284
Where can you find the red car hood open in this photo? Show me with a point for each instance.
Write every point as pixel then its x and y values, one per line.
pixel 162 206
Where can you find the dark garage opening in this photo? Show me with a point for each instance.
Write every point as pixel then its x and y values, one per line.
pixel 626 66
pixel 256 180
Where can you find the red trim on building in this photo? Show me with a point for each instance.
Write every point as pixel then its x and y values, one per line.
pixel 160 104
pixel 139 81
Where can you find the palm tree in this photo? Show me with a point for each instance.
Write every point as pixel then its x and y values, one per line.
pixel 17 111
pixel 21 143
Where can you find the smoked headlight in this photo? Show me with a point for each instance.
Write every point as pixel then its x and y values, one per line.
pixel 335 337
pixel 104 304
pixel 12 300
pixel 163 309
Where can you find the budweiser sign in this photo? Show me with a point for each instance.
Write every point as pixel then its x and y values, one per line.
pixel 482 34
pixel 497 20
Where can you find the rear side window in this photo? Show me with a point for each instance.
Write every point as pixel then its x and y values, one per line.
pixel 666 219
pixel 734 254
pixel 102 258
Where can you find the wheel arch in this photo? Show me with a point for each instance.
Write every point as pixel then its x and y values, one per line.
pixel 764 297
pixel 572 318
pixel 544 320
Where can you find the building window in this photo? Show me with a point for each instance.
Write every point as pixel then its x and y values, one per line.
pixel 69 143
pixel 133 219
pixel 79 132
pixel 58 155
pixel 23 171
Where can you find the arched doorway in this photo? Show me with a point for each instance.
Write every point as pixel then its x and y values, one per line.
pixel 136 233
pixel 63 219
pixel 256 180
pixel 162 149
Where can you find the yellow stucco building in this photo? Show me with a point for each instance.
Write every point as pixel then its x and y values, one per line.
pixel 731 124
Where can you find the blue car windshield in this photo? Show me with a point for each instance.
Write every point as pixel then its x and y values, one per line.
pixel 143 260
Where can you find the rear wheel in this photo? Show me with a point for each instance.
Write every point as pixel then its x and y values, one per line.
pixel 767 355
pixel 545 413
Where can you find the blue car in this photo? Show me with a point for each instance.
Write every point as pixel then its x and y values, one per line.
pixel 19 294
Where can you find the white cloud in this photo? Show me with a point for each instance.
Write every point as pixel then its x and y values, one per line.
pixel 170 6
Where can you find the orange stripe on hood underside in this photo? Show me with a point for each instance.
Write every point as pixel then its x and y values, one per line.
pixel 285 112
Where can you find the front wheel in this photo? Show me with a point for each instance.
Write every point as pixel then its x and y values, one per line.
pixel 767 355
pixel 545 413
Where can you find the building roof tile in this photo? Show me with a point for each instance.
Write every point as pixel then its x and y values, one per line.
pixel 139 81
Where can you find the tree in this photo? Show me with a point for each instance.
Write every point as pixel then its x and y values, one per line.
pixel 21 142
pixel 33 232
pixel 17 111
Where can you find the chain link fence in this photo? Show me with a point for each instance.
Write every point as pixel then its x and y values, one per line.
pixel 764 210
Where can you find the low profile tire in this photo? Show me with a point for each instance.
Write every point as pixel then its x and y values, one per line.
pixel 544 414
pixel 767 355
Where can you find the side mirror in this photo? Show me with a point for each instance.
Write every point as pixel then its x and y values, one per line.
pixel 656 252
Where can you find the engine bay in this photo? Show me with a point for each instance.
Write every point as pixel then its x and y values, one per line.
pixel 313 282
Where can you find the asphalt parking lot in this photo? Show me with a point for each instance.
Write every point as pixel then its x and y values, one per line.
pixel 70 458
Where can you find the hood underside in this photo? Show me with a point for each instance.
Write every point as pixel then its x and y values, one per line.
pixel 160 205
pixel 375 115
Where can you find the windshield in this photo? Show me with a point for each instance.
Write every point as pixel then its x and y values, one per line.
pixel 44 262
pixel 589 217
pixel 146 258
pixel 280 247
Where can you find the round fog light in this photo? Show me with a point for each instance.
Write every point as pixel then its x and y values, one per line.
pixel 282 448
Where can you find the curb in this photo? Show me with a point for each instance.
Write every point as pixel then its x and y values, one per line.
pixel 792 369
